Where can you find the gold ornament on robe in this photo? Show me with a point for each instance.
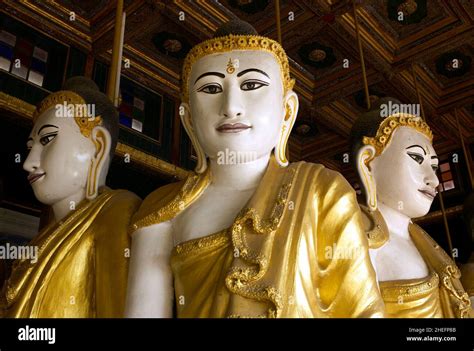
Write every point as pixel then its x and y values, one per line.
pixel 439 295
pixel 467 279
pixel 297 249
pixel 82 265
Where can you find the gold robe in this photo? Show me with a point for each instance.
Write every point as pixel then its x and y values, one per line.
pixel 467 277
pixel 82 263
pixel 297 249
pixel 439 295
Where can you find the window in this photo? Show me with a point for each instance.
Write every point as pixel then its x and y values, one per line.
pixel 141 109
pixel 22 58
pixel 446 181
pixel 132 111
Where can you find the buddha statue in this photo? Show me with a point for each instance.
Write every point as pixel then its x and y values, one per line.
pixel 397 164
pixel 248 234
pixel 82 261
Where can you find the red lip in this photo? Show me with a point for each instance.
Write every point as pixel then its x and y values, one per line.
pixel 232 128
pixel 428 193
pixel 33 177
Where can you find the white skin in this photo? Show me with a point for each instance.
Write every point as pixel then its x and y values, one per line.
pixel 58 162
pixel 406 182
pixel 241 112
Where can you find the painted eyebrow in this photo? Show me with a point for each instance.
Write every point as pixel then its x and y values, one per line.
pixel 417 146
pixel 46 126
pixel 252 70
pixel 221 75
pixel 434 157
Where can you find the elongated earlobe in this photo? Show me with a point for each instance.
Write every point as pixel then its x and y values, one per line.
pixel 188 126
pixel 364 157
pixel 291 111
pixel 102 141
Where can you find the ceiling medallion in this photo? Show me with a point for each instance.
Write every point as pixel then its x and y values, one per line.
pixel 317 55
pixel 172 45
pixel 407 7
pixel 407 11
pixel 453 64
pixel 305 128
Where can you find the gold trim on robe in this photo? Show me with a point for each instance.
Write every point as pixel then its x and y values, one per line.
pixel 467 278
pixel 454 300
pixel 82 264
pixel 297 249
pixel 412 298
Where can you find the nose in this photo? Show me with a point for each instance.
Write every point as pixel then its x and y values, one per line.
pixel 431 179
pixel 32 162
pixel 232 104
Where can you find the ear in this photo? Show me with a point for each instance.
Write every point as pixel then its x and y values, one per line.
pixel 102 140
pixel 364 157
pixel 184 113
pixel 291 111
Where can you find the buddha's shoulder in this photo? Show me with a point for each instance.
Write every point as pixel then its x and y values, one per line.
pixel 156 200
pixel 121 198
pixel 118 206
pixel 322 177
pixel 431 250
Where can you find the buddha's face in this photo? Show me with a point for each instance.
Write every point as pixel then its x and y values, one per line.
pixel 405 173
pixel 240 110
pixel 59 158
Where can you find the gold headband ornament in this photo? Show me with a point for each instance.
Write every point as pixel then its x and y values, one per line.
pixel 390 124
pixel 236 42
pixel 69 98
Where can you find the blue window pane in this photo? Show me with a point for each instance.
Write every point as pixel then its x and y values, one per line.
pixel 126 121
pixel 6 51
pixel 126 97
pixel 38 66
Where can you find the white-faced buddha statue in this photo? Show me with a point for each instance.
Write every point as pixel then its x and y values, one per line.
pixel 82 263
pixel 249 234
pixel 397 164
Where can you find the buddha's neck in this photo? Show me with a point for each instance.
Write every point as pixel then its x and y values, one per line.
pixel 239 176
pixel 396 221
pixel 62 208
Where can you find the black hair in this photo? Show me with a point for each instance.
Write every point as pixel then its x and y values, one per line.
pixel 91 94
pixel 367 125
pixel 235 27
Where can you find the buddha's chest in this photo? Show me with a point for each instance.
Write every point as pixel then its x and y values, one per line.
pixel 213 211
pixel 399 259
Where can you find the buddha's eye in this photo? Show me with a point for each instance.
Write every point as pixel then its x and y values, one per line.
pixel 46 139
pixel 211 89
pixel 435 168
pixel 417 157
pixel 253 84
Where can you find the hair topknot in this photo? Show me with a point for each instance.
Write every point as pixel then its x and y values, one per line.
pixel 80 83
pixel 90 92
pixel 235 27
